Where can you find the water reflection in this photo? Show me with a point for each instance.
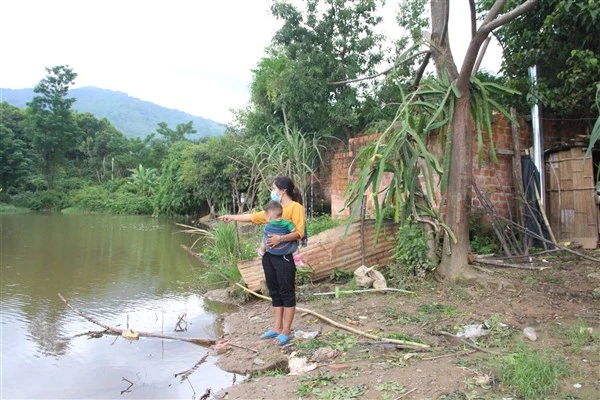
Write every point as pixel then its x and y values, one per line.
pixel 119 271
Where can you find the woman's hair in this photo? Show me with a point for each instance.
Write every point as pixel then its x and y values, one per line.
pixel 285 183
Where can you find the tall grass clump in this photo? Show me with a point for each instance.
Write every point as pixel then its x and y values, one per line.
pixel 532 375
pixel 220 251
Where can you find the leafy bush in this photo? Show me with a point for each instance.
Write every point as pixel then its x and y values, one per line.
pixel 482 235
pixel 91 198
pixel 10 209
pixel 124 202
pixel 411 254
pixel 42 200
pixel 101 199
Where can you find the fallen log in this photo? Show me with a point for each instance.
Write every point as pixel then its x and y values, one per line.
pixel 116 331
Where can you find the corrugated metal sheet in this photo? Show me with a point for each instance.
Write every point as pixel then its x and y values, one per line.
pixel 333 249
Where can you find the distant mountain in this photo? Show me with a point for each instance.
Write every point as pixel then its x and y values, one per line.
pixel 133 117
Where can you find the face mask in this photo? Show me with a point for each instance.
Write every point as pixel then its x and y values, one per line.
pixel 275 196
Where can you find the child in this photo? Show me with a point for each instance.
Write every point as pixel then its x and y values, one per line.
pixel 277 226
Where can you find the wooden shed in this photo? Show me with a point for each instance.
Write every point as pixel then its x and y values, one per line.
pixel 571 196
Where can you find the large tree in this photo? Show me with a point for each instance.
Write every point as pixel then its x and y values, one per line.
pixel 52 130
pixel 456 106
pixel 328 41
pixel 462 128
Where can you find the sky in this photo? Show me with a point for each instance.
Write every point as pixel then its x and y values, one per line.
pixel 195 56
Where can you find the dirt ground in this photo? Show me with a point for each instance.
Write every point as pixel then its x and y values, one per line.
pixel 560 300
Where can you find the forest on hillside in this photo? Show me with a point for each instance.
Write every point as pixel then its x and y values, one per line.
pixel 133 117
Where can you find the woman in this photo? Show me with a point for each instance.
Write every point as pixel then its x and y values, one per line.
pixel 280 270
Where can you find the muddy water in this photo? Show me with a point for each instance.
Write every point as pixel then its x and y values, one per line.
pixel 122 271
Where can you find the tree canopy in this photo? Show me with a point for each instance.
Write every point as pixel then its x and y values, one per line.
pixel 561 38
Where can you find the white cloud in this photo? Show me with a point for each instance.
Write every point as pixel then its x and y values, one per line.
pixel 191 55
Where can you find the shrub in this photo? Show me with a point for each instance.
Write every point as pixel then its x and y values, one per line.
pixel 42 200
pixel 412 253
pixel 482 235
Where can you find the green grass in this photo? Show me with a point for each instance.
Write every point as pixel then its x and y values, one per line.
pixel 73 210
pixel 532 374
pixel 10 209
pixel 320 223
pixel 335 339
pixel 578 335
pixel 437 308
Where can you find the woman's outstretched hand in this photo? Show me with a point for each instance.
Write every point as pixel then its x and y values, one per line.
pixel 226 218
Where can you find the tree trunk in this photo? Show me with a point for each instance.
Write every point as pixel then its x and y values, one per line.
pixel 460 181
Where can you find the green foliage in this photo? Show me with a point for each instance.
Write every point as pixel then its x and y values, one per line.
pixel 11 209
pixel 177 135
pixel 47 200
pixel 51 126
pixel 322 222
pixel 115 198
pixel 287 152
pixel 173 195
pixel 390 390
pixel 595 134
pixel 303 275
pixel 208 171
pixel 561 37
pixel 16 158
pixel 533 375
pixel 144 180
pixel 327 41
pixel 221 244
pixel 579 335
pixel 482 235
pixel 411 254
pixel 437 308
pixel 341 276
pixel 220 251
pixel 326 387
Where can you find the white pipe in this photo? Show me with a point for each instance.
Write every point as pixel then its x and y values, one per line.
pixel 538 138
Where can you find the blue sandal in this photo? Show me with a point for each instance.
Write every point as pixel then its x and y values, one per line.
pixel 269 334
pixel 282 339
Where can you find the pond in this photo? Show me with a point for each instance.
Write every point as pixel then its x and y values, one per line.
pixel 123 271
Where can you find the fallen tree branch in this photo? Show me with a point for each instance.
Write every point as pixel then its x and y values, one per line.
pixel 126 390
pixel 405 394
pixel 500 263
pixel 116 331
pixel 186 373
pixel 467 343
pixel 406 344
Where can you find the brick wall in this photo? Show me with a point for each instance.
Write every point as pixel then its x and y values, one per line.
pixel 494 179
